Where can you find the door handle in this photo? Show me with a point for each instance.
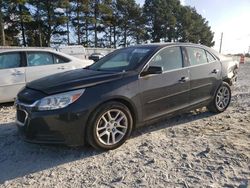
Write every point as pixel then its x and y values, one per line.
pixel 215 71
pixel 62 68
pixel 184 79
pixel 17 73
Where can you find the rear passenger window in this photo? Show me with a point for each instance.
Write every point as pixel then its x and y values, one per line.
pixel 10 60
pixel 196 56
pixel 168 58
pixel 58 59
pixel 210 58
pixel 39 58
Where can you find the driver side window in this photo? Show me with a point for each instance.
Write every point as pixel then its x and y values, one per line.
pixel 168 58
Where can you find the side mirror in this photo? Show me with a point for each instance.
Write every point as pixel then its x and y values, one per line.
pixel 152 70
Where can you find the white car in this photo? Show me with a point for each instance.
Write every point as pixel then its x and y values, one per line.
pixel 20 66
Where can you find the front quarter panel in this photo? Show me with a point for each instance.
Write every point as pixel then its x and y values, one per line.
pixel 125 90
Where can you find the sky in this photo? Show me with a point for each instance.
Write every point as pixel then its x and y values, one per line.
pixel 232 17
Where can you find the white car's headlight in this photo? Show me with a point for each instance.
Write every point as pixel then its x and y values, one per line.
pixel 58 101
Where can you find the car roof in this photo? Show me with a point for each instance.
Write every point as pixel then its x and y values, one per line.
pixel 16 49
pixel 162 45
pixel 30 49
pixel 170 44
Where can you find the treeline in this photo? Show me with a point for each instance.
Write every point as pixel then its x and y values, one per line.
pixel 100 23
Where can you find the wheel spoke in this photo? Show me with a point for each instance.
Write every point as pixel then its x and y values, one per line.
pixel 100 125
pixel 224 103
pixel 121 126
pixel 108 138
pixel 223 90
pixel 104 119
pixel 103 133
pixel 117 115
pixel 101 128
pixel 121 118
pixel 217 99
pixel 113 138
pixel 109 116
pixel 120 132
pixel 219 93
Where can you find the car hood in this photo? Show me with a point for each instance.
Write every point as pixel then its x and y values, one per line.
pixel 71 80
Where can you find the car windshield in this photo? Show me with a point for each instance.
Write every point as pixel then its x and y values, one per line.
pixel 122 59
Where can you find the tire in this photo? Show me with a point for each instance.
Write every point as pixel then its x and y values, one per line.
pixel 221 99
pixel 110 126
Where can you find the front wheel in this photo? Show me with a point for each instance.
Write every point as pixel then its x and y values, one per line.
pixel 221 99
pixel 110 126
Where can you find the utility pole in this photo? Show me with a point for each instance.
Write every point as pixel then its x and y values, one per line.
pixel 221 41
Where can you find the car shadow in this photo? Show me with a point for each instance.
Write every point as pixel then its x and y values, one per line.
pixel 18 158
pixel 167 122
pixel 8 104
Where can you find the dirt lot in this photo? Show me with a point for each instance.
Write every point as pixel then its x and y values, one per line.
pixel 197 149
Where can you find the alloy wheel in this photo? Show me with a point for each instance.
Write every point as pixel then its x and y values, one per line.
pixel 112 127
pixel 222 98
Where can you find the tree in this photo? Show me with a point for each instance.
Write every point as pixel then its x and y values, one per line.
pixel 51 17
pixel 23 16
pixel 81 20
pixel 2 34
pixel 11 23
pixel 100 23
pixel 100 9
pixel 68 8
pixel 191 27
pixel 128 12
pixel 138 29
pixel 168 20
pixel 160 18
pixel 107 21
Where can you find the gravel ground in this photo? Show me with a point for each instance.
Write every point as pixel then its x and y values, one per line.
pixel 197 149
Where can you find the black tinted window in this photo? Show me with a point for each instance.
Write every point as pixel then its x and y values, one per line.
pixel 168 59
pixel 10 60
pixel 210 58
pixel 196 56
pixel 39 58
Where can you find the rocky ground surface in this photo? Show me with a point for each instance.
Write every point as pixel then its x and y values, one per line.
pixel 197 149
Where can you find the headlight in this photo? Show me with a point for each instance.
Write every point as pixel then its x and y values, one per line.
pixel 58 101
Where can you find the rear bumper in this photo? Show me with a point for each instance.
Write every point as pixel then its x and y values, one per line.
pixel 232 77
pixel 52 127
pixel 235 76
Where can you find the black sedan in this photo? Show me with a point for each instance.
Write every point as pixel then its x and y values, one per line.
pixel 96 56
pixel 104 102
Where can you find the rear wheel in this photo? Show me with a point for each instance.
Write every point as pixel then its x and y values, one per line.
pixel 110 126
pixel 221 99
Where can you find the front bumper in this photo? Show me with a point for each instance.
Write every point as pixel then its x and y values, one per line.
pixel 64 126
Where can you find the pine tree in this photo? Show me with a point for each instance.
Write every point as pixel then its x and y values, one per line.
pixel 52 19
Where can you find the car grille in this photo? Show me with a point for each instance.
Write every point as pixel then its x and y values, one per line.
pixel 21 116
